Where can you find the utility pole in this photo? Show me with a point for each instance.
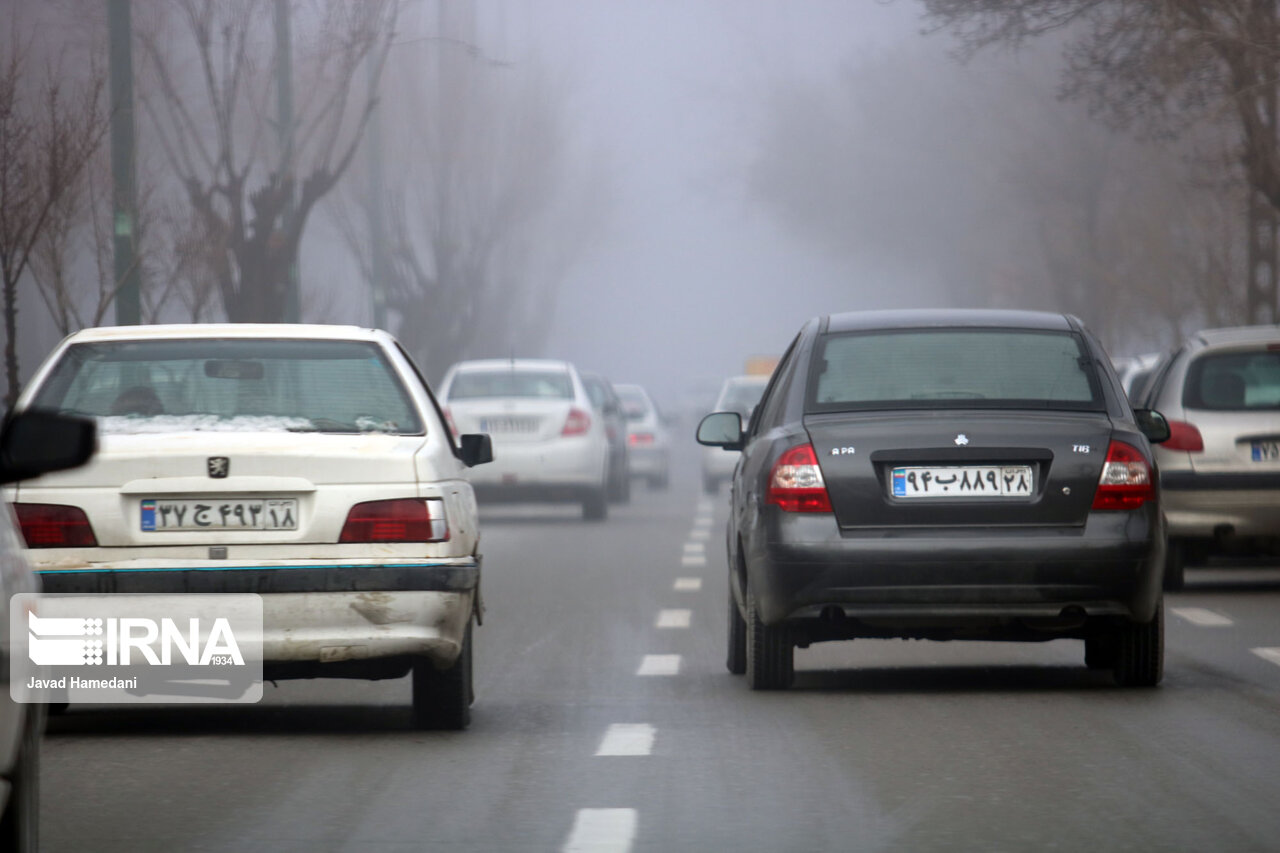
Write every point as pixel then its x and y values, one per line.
pixel 377 216
pixel 1263 222
pixel 284 119
pixel 124 194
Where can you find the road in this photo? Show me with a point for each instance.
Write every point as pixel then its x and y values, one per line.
pixel 574 745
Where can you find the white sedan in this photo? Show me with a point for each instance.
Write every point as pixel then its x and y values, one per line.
pixel 548 444
pixel 308 464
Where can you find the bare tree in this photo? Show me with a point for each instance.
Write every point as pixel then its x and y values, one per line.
pixel 216 125
pixel 49 132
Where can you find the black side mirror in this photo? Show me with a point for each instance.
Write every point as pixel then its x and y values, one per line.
pixel 721 429
pixel 36 442
pixel 476 448
pixel 1153 425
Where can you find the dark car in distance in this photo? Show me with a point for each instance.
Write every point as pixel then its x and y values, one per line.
pixel 944 475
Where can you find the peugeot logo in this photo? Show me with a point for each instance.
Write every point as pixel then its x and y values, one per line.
pixel 219 467
pixel 961 440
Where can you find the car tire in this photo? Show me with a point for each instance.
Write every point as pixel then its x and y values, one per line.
pixel 619 486
pixel 1175 565
pixel 737 660
pixel 595 506
pixel 710 485
pixel 1100 650
pixel 442 697
pixel 658 482
pixel 770 661
pixel 19 827
pixel 1140 652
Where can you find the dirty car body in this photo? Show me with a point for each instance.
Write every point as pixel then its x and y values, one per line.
pixel 307 464
pixel 943 475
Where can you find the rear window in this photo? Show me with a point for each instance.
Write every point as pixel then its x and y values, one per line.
pixel 952 368
pixel 635 406
pixel 1233 382
pixel 741 397
pixel 232 384
pixel 547 384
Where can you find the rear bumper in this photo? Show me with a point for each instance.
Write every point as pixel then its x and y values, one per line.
pixel 570 462
pixel 937 579
pixel 325 614
pixel 645 461
pixel 1206 505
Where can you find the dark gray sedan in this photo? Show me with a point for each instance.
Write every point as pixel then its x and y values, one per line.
pixel 944 475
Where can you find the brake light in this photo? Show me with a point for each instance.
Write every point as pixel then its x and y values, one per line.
pixel 796 484
pixel 400 520
pixel 577 423
pixel 1183 436
pixel 637 439
pixel 1126 481
pixel 55 526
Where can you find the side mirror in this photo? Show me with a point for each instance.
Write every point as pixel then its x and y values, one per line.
pixel 721 429
pixel 476 448
pixel 1153 425
pixel 37 442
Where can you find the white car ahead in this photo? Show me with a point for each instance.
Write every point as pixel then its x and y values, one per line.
pixel 648 441
pixel 739 394
pixel 308 464
pixel 548 445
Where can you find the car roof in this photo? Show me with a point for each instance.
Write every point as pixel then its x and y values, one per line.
pixel 170 331
pixel 512 364
pixel 914 318
pixel 1236 335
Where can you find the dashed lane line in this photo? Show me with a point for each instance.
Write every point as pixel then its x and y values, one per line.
pixel 624 739
pixel 673 618
pixel 687 584
pixel 700 533
pixel 692 560
pixel 1200 616
pixel 659 665
pixel 1268 654
pixel 602 831
pixel 695 547
pixel 702 521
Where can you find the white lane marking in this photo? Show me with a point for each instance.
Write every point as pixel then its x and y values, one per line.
pixel 627 739
pixel 702 521
pixel 705 507
pixel 695 547
pixel 700 533
pixel 1200 616
pixel 693 560
pixel 659 665
pixel 602 831
pixel 1271 654
pixel 673 618
pixel 687 584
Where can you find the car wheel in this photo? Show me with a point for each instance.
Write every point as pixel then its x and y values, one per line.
pixel 442 697
pixel 770 661
pixel 595 506
pixel 20 824
pixel 1140 652
pixel 1175 565
pixel 658 481
pixel 1100 650
pixel 737 661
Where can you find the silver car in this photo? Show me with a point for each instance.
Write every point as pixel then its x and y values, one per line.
pixel 1220 468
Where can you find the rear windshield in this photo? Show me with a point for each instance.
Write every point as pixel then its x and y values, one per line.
pixel 232 385
pixel 1233 382
pixel 952 368
pixel 635 406
pixel 548 384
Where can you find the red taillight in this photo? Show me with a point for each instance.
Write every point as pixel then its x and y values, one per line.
pixel 1183 436
pixel 402 520
pixel 796 484
pixel 577 423
pixel 55 526
pixel 1126 479
pixel 640 439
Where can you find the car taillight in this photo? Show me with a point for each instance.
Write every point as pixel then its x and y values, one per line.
pixel 640 439
pixel 796 484
pixel 400 520
pixel 1183 436
pixel 577 423
pixel 448 419
pixel 1126 479
pixel 55 526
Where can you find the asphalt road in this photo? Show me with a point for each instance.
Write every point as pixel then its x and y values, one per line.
pixel 882 745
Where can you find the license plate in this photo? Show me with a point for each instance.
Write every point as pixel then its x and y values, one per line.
pixel 229 514
pixel 962 481
pixel 1266 451
pixel 508 424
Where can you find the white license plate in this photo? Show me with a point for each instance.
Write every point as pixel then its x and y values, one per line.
pixel 1266 451
pixel 962 481
pixel 220 514
pixel 508 424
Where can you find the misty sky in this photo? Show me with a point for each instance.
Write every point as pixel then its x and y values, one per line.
pixel 693 276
